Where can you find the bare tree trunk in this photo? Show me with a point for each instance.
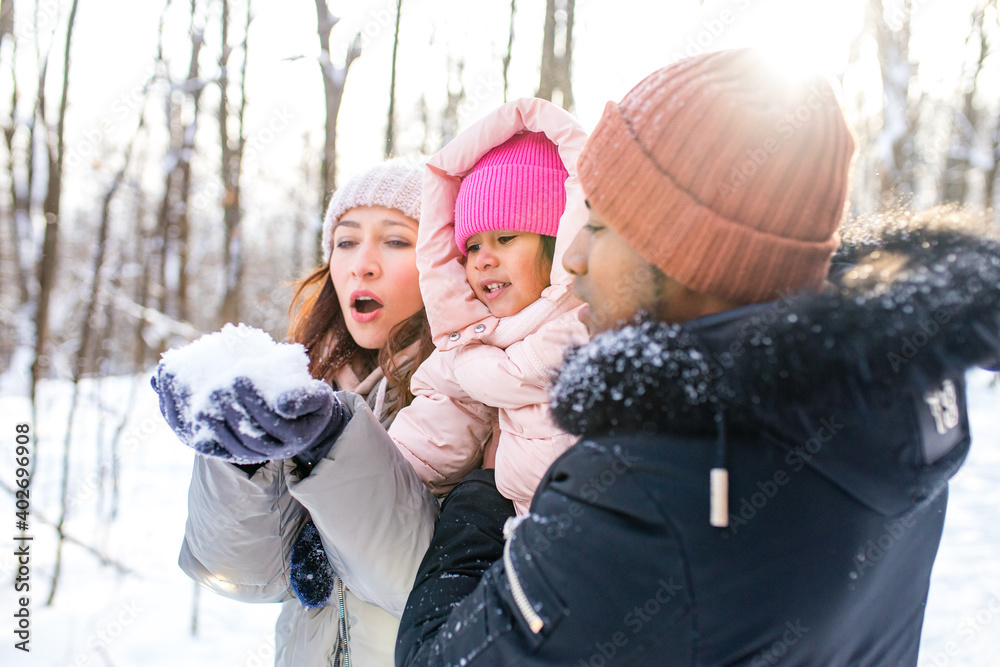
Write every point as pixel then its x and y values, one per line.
pixel 991 175
pixel 334 78
pixel 182 219
pixel 449 119
pixel 305 185
pixel 894 146
pixel 23 242
pixel 6 20
pixel 991 185
pixel 390 139
pixel 85 336
pixel 510 48
pixel 164 225
pixel 19 219
pixel 140 349
pixel 965 124
pixel 232 161
pixel 172 229
pixel 25 369
pixel 425 120
pixel 557 53
pixel 46 273
pixel 195 599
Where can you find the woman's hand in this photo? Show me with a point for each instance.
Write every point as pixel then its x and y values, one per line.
pixel 240 426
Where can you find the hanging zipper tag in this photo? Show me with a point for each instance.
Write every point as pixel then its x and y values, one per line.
pixel 719 490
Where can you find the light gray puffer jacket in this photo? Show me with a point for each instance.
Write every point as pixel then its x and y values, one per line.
pixel 375 518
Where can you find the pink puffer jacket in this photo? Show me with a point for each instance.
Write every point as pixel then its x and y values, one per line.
pixel 488 370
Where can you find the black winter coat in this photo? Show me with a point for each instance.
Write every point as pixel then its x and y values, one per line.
pixel 839 417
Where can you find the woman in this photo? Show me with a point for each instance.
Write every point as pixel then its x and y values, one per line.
pixel 373 517
pixel 360 317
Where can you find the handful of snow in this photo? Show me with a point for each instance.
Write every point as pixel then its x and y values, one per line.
pixel 205 372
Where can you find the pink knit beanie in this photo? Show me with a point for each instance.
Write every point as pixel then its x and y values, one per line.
pixel 518 185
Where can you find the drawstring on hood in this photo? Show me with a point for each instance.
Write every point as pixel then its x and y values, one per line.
pixel 719 476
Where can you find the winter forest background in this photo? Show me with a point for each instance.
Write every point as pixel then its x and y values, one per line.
pixel 164 169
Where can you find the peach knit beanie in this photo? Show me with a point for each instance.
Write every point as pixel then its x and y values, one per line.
pixel 730 179
pixel 519 184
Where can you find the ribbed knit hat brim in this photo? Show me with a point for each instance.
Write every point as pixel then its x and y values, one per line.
pixel 519 185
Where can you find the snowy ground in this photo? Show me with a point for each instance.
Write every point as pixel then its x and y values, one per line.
pixel 143 616
pixel 101 616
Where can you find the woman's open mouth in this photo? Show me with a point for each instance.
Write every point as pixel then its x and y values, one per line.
pixel 365 306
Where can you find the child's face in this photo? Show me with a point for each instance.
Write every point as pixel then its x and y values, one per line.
pixel 507 269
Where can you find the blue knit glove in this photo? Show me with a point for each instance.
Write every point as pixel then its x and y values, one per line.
pixel 311 574
pixel 241 427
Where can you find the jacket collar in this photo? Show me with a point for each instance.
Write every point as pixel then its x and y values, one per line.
pixel 909 301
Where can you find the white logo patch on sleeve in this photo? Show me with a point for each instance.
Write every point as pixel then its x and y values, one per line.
pixel 943 404
pixel 942 420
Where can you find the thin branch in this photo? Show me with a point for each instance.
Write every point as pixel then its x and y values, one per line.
pixel 41 518
pixel 390 124
pixel 510 49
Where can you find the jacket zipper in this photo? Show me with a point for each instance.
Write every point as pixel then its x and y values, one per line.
pixel 520 599
pixel 345 650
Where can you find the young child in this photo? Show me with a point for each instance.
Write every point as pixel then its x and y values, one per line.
pixel 497 300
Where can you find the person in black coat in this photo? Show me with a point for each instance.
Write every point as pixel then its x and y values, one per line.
pixel 769 413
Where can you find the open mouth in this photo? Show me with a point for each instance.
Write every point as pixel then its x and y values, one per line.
pixel 493 287
pixel 366 305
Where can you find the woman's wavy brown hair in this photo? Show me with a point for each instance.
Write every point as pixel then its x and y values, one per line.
pixel 317 322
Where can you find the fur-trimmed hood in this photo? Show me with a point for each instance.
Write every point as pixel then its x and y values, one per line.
pixel 911 300
pixel 456 316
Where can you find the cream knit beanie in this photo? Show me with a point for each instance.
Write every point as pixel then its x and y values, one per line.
pixel 394 184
